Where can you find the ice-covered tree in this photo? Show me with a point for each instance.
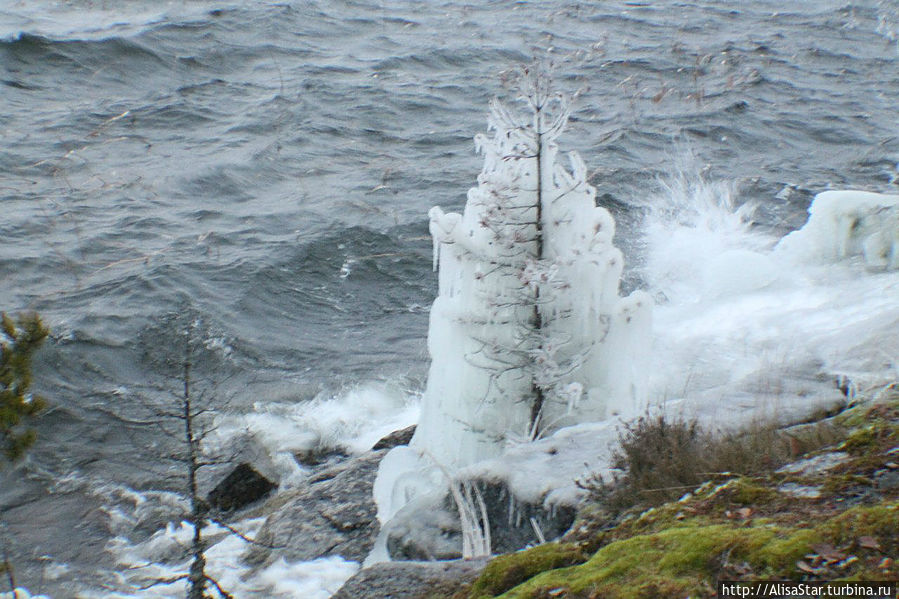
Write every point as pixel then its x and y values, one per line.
pixel 528 332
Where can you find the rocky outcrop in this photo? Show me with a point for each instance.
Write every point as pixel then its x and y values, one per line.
pixel 400 437
pixel 320 456
pixel 410 580
pixel 332 514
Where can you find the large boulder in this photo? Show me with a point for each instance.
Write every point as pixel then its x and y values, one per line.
pixel 240 488
pixel 333 513
pixel 410 580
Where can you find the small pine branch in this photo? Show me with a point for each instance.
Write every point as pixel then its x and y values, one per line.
pixel 19 341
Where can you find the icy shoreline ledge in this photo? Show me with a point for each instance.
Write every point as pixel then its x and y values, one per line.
pixel 536 481
pixel 532 490
pixel 530 337
pixel 417 579
pixel 333 512
pixel 331 515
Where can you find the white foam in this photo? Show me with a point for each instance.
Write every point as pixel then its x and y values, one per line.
pixel 742 316
pixel 352 421
pixel 21 593
pixel 162 556
pixel 318 579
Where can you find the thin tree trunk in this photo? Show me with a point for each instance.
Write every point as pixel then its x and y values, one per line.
pixel 197 575
pixel 10 577
pixel 537 390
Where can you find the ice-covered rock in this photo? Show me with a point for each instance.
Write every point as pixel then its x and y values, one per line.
pixel 817 464
pixel 429 527
pixel 849 223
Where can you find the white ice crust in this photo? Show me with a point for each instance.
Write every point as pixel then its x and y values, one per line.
pixel 849 223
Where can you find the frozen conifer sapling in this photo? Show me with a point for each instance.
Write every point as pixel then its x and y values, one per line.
pixel 528 332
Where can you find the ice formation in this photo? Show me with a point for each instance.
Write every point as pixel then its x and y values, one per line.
pixel 849 223
pixel 528 332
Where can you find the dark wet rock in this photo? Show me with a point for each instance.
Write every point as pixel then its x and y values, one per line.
pixel 429 528
pixel 401 437
pixel 886 480
pixel 333 513
pixel 318 456
pixel 411 580
pixel 243 486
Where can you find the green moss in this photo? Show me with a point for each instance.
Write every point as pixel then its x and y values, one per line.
pixel 854 417
pixel 860 440
pixel 681 560
pixel 861 415
pixel 686 560
pixel 651 520
pixel 877 435
pixel 746 492
pixel 778 558
pixel 878 521
pixel 507 571
pixel 839 483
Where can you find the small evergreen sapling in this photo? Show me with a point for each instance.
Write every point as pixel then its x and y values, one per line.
pixel 18 343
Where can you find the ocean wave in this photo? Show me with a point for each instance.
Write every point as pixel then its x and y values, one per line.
pixel 82 20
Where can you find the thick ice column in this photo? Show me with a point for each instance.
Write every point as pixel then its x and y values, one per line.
pixel 528 308
pixel 528 332
pixel 475 400
pixel 600 340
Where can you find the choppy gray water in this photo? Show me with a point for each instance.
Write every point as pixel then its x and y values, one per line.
pixel 267 169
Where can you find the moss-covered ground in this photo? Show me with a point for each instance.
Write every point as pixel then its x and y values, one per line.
pixel 837 519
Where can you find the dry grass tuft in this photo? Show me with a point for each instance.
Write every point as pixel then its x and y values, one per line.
pixel 661 458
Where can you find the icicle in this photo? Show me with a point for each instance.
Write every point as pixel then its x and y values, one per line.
pixel 436 252
pixel 537 531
